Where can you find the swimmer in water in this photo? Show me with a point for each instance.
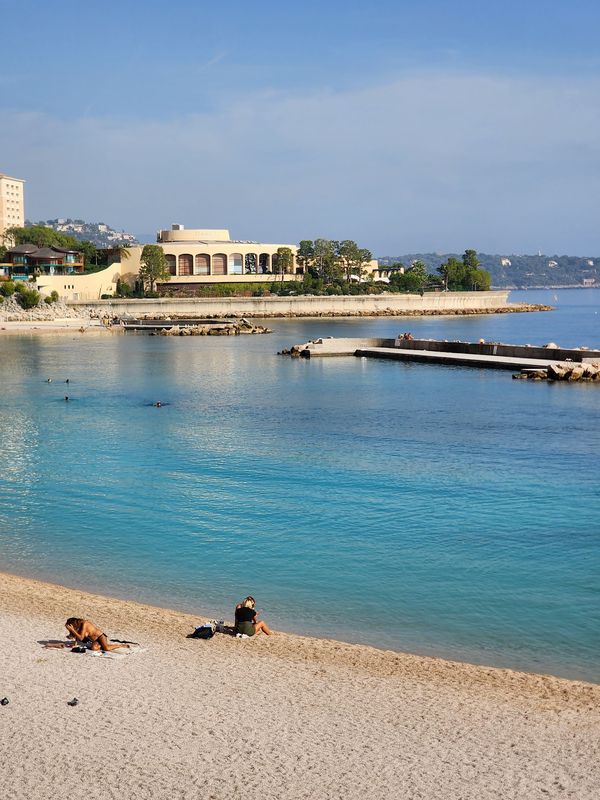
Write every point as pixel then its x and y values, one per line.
pixel 158 404
pixel 66 398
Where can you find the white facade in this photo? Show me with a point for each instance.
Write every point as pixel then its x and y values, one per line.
pixel 12 203
pixel 209 255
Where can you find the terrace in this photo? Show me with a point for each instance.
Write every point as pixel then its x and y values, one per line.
pixel 27 260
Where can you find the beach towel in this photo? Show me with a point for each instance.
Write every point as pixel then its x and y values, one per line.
pixel 116 654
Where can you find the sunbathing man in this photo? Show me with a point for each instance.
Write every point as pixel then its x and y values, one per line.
pixel 83 630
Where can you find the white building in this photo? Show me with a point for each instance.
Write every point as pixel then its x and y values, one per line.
pixel 201 254
pixel 12 203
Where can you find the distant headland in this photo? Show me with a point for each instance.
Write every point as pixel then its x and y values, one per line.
pixel 518 271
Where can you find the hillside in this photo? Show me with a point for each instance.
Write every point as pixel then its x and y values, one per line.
pixel 98 233
pixel 519 272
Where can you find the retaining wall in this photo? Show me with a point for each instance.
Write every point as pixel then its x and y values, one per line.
pixel 305 305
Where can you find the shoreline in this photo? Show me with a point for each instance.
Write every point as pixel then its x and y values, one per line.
pixel 272 718
pixel 522 308
pixel 91 324
pixel 79 326
pixel 15 588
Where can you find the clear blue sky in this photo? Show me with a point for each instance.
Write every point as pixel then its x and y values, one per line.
pixel 407 126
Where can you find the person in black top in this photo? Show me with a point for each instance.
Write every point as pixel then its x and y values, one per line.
pixel 245 619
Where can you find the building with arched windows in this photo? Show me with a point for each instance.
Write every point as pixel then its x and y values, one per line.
pixel 200 255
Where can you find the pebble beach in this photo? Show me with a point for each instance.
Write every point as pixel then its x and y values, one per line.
pixel 279 717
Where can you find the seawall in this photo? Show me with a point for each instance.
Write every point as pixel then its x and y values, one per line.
pixel 307 305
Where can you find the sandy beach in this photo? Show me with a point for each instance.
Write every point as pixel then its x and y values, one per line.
pixel 58 326
pixel 278 717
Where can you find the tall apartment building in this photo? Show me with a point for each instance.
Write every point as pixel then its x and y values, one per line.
pixel 12 204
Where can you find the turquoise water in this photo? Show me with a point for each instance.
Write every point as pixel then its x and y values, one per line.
pixel 439 510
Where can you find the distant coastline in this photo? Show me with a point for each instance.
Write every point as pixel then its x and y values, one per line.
pixel 539 271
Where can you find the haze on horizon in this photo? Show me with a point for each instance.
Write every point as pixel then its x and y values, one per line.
pixel 407 127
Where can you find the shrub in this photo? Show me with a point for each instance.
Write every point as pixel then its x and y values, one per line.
pixel 28 298
pixel 7 288
pixel 123 288
pixel 52 297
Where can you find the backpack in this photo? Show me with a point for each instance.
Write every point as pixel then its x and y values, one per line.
pixel 204 632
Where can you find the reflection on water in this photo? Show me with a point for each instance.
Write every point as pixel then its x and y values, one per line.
pixel 443 510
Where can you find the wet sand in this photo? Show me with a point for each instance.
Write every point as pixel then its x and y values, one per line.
pixel 272 717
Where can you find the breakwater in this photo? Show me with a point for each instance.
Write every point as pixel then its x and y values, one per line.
pixel 431 303
pixel 494 355
pixel 190 327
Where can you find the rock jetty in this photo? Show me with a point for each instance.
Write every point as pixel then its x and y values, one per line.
pixel 234 328
pixel 572 373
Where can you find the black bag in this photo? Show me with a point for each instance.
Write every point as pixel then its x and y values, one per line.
pixel 203 632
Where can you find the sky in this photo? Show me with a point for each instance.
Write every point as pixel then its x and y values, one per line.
pixel 422 126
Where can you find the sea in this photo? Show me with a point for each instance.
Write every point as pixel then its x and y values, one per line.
pixel 438 510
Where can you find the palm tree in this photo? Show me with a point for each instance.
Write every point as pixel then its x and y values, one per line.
pixel 119 252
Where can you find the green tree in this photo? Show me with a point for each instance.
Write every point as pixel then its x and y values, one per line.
pixel 153 266
pixel 414 279
pixel 475 278
pixel 306 254
pixel 41 236
pixel 285 261
pixel 123 289
pixel 353 258
pixel 90 252
pixel 324 255
pixel 118 253
pixel 481 280
pixel 453 273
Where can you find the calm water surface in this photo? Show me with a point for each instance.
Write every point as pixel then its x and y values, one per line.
pixel 441 510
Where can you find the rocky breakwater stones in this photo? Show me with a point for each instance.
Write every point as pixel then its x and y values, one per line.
pixel 225 329
pixel 572 373
pixel 11 311
pixel 299 350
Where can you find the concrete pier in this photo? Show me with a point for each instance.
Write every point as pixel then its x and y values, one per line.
pixel 491 355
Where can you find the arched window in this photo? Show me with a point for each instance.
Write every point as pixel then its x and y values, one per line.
pixel 264 263
pixel 185 264
pixel 171 264
pixel 219 264
pixel 202 264
pixel 235 264
pixel 250 264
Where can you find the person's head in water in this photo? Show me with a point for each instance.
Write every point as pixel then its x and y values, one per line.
pixel 158 404
pixel 66 398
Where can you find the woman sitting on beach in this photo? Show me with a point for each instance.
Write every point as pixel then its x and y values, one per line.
pixel 245 619
pixel 84 631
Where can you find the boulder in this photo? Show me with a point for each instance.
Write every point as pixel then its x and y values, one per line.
pixel 556 372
